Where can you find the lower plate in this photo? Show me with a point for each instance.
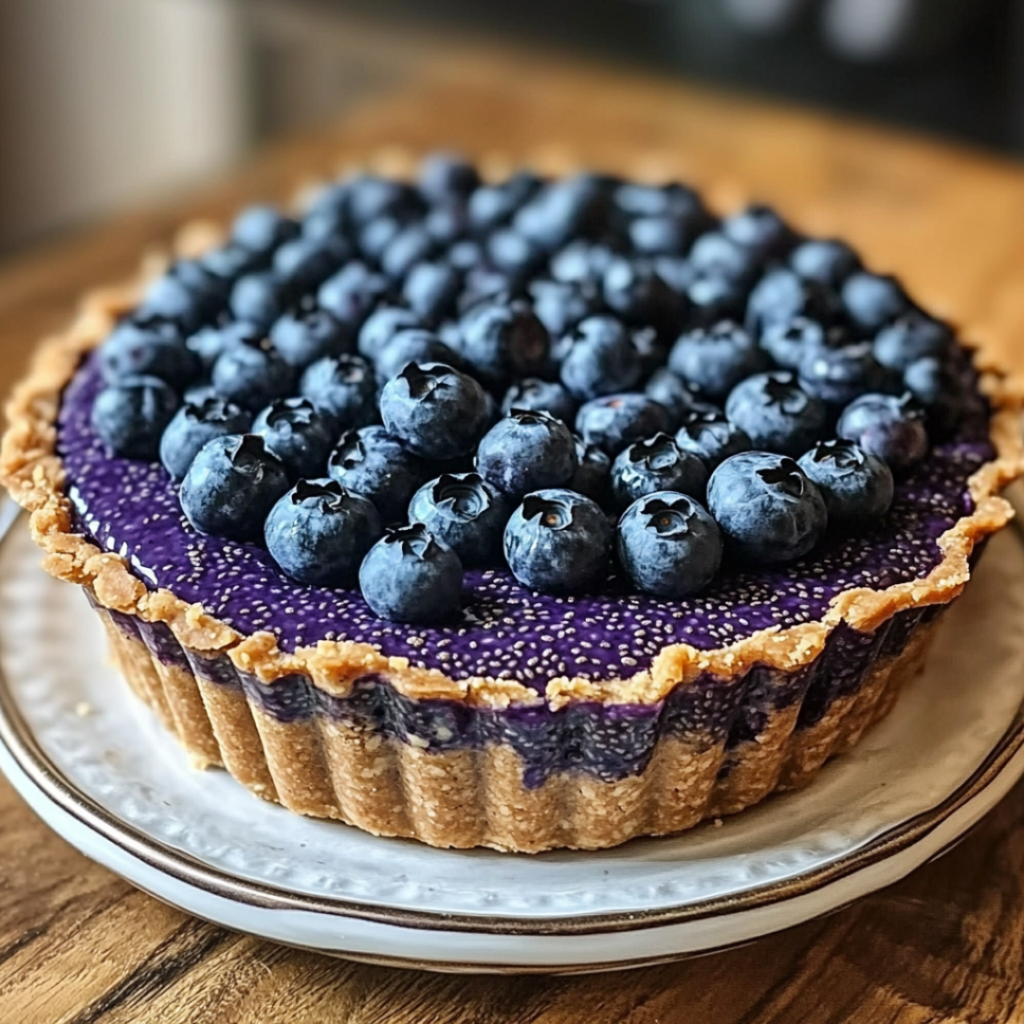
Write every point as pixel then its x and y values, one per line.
pixel 97 767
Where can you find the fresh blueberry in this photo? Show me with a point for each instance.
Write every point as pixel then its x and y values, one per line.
pixel 857 486
pixel 370 197
pixel 188 294
pixel 148 348
pixel 839 375
pixel 445 176
pixel 513 254
pixel 776 413
pixel 370 462
pixel 491 205
pixel 560 211
pixel 593 477
pixel 664 234
pixel 343 388
pixel 561 305
pixel 131 415
pixel 261 229
pixel 299 435
pixel 873 300
pixel 376 236
pixel 502 343
pixel 412 345
pixel 410 246
pixel 538 395
pixel 767 507
pixel 911 337
pixel 486 286
pixel 669 545
pixel 716 255
pixel 465 254
pixel 319 533
pixel 788 341
pixel 352 293
pixel 381 326
pixel 760 229
pixel 714 297
pixel 939 390
pixel 558 542
pixel 251 373
pixel 633 290
pixel 325 219
pixel 676 271
pixel 447 224
pixel 601 360
pixel 714 360
pixel 431 289
pixel 672 200
pixel 614 421
pixel 410 576
pixel 887 426
pixel 582 262
pixel 670 391
pixel 656 464
pixel 231 486
pixel 781 296
pixel 231 261
pixel 209 342
pixel 712 438
pixel 193 425
pixel 306 335
pixel 827 261
pixel 303 264
pixel 465 512
pixel 527 451
pixel 258 298
pixel 434 410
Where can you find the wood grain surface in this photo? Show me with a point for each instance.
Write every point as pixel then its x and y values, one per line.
pixel 79 945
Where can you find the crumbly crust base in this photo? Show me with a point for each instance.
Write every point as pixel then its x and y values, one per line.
pixel 466 798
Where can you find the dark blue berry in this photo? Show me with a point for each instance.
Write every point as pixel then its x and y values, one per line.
pixel 788 341
pixel 261 229
pixel 714 297
pixel 343 388
pixel 465 512
pixel 939 390
pixel 537 395
pixel 712 438
pixel 670 391
pixel 376 236
pixel 431 289
pixel 251 373
pixel 148 348
pixel 231 486
pixel 299 435
pixel 672 200
pixel 434 410
pixel 558 542
pixel 371 462
pixel 766 506
pixel 887 426
pixel 303 264
pixel 465 254
pixel 760 229
pixel 231 261
pixel 381 326
pixel 209 342
pixel 911 337
pixel 601 359
pixel 857 486
pixel 412 345
pixel 561 305
pixel 560 211
pixel 716 255
pixel 839 375
pixel 669 545
pixel 633 290
pixel 258 298
pixel 410 246
pixel 447 224
pixel 193 425
pixel 776 413
pixel 131 416
pixel 501 343
pixel 303 336
pixel 411 576
pixel 186 294
pixel 714 360
pixel 513 254
pixel 593 476
pixel 656 464
pixel 370 197
pixel 582 262
pixel 827 261
pixel 781 296
pixel 527 451
pixel 352 293
pixel 445 176
pixel 319 533
pixel 873 300
pixel 614 421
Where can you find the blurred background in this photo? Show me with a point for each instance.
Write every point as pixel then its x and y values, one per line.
pixel 108 103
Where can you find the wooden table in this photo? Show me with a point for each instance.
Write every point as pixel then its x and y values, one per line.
pixel 79 945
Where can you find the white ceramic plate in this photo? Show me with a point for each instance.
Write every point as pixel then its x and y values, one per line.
pixel 97 767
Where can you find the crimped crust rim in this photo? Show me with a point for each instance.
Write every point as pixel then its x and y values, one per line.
pixel 33 473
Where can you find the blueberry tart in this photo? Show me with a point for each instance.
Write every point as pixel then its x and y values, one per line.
pixel 527 514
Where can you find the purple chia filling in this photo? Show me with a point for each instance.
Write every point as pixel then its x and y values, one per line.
pixel 506 631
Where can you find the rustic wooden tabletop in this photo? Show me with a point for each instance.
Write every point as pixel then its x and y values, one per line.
pixel 79 945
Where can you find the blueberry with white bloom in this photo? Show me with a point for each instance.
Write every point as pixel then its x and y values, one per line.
pixel 526 451
pixel 714 360
pixel 656 464
pixel 131 416
pixel 891 427
pixel 776 414
pixel 857 486
pixel 196 423
pixel 343 388
pixel 614 421
pixel 465 512
pixel 299 434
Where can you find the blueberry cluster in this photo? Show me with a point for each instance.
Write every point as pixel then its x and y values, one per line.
pixel 415 378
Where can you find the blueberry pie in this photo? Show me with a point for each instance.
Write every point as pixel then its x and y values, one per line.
pixel 525 514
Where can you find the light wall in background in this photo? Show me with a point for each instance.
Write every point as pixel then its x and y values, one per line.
pixel 105 103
